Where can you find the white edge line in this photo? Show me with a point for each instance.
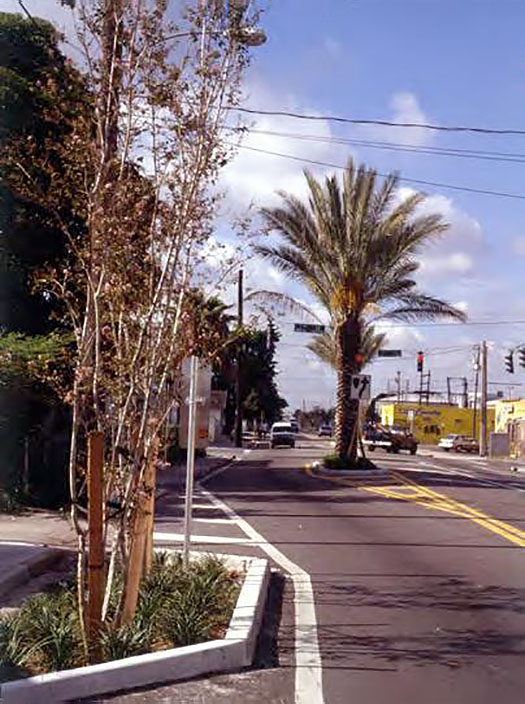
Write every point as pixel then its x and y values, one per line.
pixel 308 666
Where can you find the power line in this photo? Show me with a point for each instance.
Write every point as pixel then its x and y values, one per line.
pixel 436 184
pixel 382 123
pixel 507 157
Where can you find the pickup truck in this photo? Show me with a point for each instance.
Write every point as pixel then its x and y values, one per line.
pixel 391 441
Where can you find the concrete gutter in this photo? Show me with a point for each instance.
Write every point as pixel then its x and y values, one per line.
pixel 321 471
pixel 233 652
pixel 30 567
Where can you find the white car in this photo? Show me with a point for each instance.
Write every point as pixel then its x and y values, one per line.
pixel 449 441
pixel 282 434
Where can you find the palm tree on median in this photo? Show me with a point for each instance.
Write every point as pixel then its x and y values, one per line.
pixel 354 246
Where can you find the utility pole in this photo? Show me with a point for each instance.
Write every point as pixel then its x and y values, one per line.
pixel 484 386
pixel 476 386
pixel 238 390
pixel 398 384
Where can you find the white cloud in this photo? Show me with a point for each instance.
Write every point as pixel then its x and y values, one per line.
pixel 454 263
pixel 404 107
pixel 457 251
pixel 255 176
pixel 518 246
pixel 462 305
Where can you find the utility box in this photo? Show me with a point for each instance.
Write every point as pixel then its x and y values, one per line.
pixel 499 445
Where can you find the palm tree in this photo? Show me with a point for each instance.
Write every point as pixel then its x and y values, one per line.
pixel 354 246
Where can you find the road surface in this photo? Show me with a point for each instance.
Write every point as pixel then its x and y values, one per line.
pixel 418 577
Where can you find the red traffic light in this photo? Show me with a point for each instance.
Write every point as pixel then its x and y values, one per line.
pixel 420 361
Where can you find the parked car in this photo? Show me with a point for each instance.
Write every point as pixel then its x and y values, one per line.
pixel 325 431
pixel 295 426
pixel 451 441
pixel 466 444
pixel 282 434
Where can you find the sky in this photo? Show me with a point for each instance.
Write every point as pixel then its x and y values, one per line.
pixel 443 62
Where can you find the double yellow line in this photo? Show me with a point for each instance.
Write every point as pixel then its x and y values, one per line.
pixel 409 490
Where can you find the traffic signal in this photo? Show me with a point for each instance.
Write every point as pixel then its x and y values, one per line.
pixel 420 361
pixel 522 357
pixel 509 362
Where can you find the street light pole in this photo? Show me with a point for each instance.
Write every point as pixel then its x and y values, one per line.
pixel 238 390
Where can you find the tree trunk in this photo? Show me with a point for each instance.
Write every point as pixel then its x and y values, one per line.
pixel 346 409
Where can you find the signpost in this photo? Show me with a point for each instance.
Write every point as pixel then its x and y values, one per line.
pixel 190 462
pixel 310 327
pixel 389 353
pixel 360 387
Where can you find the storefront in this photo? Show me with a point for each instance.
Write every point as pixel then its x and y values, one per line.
pixel 510 419
pixel 429 423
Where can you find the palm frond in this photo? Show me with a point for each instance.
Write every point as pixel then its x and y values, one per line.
pixel 264 299
pixel 417 306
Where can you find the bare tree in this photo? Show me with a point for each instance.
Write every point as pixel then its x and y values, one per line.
pixel 142 168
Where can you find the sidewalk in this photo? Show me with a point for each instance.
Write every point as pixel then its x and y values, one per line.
pixel 36 545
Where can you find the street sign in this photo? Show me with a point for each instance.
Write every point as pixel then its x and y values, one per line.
pixel 310 327
pixel 389 353
pixel 360 387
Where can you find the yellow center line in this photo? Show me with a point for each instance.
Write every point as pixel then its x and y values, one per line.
pixel 433 500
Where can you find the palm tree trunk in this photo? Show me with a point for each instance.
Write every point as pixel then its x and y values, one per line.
pixel 346 409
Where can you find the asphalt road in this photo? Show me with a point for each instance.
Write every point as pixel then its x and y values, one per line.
pixel 418 576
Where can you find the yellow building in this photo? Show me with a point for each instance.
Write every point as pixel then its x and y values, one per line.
pixel 430 422
pixel 510 419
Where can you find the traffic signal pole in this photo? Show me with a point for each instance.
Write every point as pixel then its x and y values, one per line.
pixel 483 410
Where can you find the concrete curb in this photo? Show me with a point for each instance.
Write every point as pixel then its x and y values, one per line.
pixel 233 652
pixel 32 567
pixel 321 471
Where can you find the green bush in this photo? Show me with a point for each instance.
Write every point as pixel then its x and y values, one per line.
pixel 336 462
pixel 44 635
pixel 175 607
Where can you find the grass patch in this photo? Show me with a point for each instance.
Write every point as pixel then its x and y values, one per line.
pixel 336 462
pixel 176 607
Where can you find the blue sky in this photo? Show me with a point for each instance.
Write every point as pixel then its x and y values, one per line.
pixel 438 61
pixel 447 62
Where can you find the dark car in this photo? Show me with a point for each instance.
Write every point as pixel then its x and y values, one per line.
pixel 282 434
pixel 390 440
pixel 403 440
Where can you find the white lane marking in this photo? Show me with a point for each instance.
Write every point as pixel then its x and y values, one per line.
pixel 200 539
pixel 218 521
pixel 225 521
pixel 308 667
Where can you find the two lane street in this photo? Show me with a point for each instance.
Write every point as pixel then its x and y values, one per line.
pixel 418 576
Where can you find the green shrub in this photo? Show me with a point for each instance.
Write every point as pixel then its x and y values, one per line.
pixel 44 634
pixel 336 462
pixel 124 642
pixel 175 607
